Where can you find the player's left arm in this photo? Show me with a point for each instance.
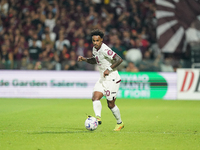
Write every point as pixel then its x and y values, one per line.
pixel 117 61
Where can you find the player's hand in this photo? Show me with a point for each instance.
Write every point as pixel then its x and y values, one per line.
pixel 81 58
pixel 106 73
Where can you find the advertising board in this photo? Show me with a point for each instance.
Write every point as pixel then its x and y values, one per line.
pixel 47 84
pixel 188 84
pixel 148 85
pixel 79 84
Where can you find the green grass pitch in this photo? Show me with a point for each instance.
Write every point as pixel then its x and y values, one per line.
pixel 58 124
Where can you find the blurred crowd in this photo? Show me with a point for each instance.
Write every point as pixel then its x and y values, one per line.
pixel 50 34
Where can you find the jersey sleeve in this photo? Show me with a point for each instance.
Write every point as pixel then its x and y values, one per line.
pixel 109 53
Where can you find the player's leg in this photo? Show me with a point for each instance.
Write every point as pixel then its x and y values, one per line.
pixel 97 95
pixel 111 94
pixel 97 105
pixel 116 112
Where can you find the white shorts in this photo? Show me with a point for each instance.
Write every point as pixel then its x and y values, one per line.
pixel 109 88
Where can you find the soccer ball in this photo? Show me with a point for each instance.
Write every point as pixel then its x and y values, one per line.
pixel 91 123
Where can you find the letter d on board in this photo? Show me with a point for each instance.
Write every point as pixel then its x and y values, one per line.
pixel 184 81
pixel 198 83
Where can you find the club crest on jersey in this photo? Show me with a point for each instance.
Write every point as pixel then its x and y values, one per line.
pixel 110 52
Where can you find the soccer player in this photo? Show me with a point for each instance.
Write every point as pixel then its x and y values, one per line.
pixel 109 81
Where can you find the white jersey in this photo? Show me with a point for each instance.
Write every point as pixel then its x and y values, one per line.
pixel 104 58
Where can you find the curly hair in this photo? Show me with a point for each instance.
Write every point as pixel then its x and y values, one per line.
pixel 97 32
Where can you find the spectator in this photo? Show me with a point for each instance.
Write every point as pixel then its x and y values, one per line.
pixel 27 27
pixel 19 50
pixel 143 41
pixel 27 6
pixel 14 23
pixel 2 30
pixel 63 56
pixel 119 48
pixel 61 42
pixel 51 35
pixel 47 40
pixel 57 27
pixel 72 63
pixel 9 45
pixel 147 64
pixel 37 66
pixel 34 52
pixel 167 66
pixel 25 60
pixel 35 37
pixel 79 33
pixel 131 67
pixel 29 34
pixel 50 21
pixel 78 13
pixel 47 57
pixel 6 58
pixel 138 45
pixel 64 17
pixel 52 16
pixel 80 48
pixel 53 7
pixel 35 19
pixel 4 5
pixel 40 30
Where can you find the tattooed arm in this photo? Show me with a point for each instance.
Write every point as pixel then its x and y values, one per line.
pixel 117 61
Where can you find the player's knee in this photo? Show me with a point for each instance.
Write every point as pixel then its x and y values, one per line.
pixel 111 105
pixel 97 96
pixel 94 98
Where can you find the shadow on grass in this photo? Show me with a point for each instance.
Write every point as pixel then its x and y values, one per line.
pixel 68 130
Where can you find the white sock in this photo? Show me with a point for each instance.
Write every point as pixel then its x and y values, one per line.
pixel 97 107
pixel 116 113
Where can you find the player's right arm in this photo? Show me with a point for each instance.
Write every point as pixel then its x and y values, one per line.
pixel 91 60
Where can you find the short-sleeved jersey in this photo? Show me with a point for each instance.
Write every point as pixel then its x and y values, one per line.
pixel 104 58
